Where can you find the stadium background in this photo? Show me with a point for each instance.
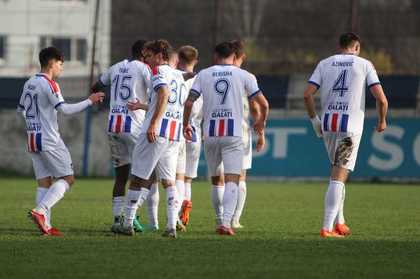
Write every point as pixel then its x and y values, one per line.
pixel 285 39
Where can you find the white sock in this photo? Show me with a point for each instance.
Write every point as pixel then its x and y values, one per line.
pixel 241 201
pixel 187 195
pixel 118 206
pixel 40 193
pixel 180 188
pixel 134 200
pixel 153 204
pixel 171 206
pixel 340 216
pixel 230 199
pixel 54 194
pixel 217 201
pixel 333 198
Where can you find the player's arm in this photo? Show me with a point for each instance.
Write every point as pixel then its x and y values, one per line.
pixel 308 97
pixel 255 113
pixel 381 106
pixel 137 105
pixel 78 107
pixel 188 130
pixel 162 101
pixel 98 87
pixel 259 103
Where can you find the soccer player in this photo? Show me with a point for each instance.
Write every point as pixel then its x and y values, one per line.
pixel 341 80
pixel 157 147
pixel 41 99
pixel 128 80
pixel 190 151
pixel 240 57
pixel 222 87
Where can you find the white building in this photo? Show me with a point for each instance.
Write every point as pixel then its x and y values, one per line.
pixel 26 26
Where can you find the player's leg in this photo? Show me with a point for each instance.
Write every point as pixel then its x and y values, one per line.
pixel 346 157
pixel 118 195
pixel 241 201
pixel 180 174
pixel 213 155
pixel 343 153
pixel 121 160
pixel 59 163
pixel 166 168
pixel 43 186
pixel 232 156
pixel 141 179
pixel 153 206
pixel 192 154
pixel 136 195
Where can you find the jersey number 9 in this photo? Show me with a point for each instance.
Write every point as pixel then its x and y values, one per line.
pixel 222 87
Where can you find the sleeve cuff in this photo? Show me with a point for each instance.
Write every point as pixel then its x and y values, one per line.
pixel 254 94
pixel 156 88
pixel 21 106
pixel 373 84
pixel 314 83
pixel 195 92
pixel 59 104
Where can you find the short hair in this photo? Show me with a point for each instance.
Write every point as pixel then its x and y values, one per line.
pixel 347 39
pixel 137 48
pixel 48 54
pixel 187 54
pixel 239 47
pixel 224 50
pixel 159 46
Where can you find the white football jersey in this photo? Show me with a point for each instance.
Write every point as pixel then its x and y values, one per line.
pixel 40 99
pixel 196 116
pixel 170 126
pixel 342 81
pixel 129 80
pixel 223 88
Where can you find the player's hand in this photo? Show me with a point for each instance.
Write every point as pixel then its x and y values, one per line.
pixel 136 105
pixel 97 97
pixel 316 124
pixel 151 133
pixel 381 126
pixel 259 127
pixel 188 132
pixel 260 142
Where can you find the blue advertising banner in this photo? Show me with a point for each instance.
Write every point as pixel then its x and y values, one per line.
pixel 293 150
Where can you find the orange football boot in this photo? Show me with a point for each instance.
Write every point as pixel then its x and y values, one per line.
pixel 333 234
pixel 54 232
pixel 222 230
pixel 39 220
pixel 185 212
pixel 342 229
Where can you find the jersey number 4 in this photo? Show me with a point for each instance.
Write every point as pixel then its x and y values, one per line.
pixel 340 86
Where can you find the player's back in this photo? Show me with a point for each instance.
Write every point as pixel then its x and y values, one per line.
pixel 342 80
pixel 40 98
pixel 223 88
pixel 129 80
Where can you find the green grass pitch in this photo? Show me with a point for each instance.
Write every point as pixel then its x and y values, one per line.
pixel 280 238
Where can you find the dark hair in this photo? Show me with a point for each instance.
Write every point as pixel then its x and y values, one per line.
pixel 224 50
pixel 239 47
pixel 187 54
pixel 347 39
pixel 50 53
pixel 159 46
pixel 137 48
